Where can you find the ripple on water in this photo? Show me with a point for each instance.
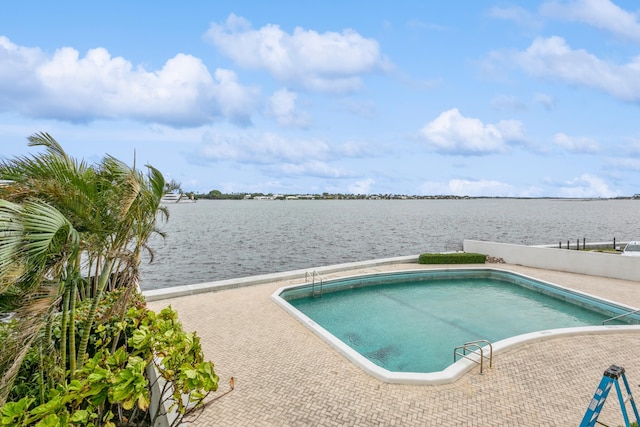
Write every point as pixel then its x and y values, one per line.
pixel 216 240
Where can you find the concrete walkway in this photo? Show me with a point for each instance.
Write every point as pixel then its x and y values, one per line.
pixel 287 376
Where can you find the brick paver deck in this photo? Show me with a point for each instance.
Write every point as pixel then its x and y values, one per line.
pixel 287 376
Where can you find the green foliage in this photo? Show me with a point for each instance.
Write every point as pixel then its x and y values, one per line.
pixel 452 258
pixel 215 194
pixel 179 358
pixel 71 232
pixel 117 383
pixel 82 340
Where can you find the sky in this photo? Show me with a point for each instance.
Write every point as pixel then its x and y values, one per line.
pixel 467 98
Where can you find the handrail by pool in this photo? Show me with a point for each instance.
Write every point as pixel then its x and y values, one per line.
pixel 478 348
pixel 620 316
pixel 313 275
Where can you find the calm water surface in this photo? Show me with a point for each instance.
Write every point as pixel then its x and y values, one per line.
pixel 414 326
pixel 216 240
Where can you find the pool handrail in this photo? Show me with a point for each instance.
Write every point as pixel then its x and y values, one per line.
pixel 620 316
pixel 478 347
pixel 313 275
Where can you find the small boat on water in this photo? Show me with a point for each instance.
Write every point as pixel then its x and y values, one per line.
pixel 170 198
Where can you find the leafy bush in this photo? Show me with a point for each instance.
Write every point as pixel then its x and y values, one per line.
pixel 111 388
pixel 452 258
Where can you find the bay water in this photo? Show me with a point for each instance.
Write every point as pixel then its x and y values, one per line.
pixel 213 240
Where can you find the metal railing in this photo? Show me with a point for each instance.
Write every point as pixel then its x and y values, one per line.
pixel 313 275
pixel 620 316
pixel 478 350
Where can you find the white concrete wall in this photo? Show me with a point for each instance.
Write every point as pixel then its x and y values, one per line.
pixel 593 263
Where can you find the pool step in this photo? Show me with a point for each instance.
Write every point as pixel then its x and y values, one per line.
pixel 474 348
pixel 609 378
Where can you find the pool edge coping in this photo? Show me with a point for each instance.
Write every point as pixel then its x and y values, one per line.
pixel 199 288
pixel 459 368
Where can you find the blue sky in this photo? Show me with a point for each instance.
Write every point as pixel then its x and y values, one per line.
pixel 524 99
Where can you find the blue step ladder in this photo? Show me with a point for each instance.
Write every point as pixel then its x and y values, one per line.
pixel 609 378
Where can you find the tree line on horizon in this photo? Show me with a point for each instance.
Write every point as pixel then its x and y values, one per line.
pixel 218 195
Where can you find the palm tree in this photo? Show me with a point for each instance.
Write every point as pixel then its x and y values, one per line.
pixel 172 186
pixel 83 226
pixel 34 249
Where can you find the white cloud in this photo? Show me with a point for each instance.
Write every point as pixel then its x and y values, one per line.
pixel 261 148
pixel 511 130
pixel 452 133
pixel 291 156
pixel 468 187
pixel 552 58
pixel 235 101
pixel 315 168
pixel 17 65
pixel 361 187
pixel 72 88
pixel 575 144
pixel 355 149
pixel 480 188
pixel 516 14
pixel 330 61
pixel 586 185
pixel 602 14
pixel 282 106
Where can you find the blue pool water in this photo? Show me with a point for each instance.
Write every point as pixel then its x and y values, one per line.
pixel 412 321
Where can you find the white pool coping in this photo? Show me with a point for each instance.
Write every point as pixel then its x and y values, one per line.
pixel 221 285
pixel 454 371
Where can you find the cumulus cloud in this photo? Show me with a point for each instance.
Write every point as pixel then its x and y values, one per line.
pixel 552 58
pixel 586 185
pixel 452 133
pixel 69 87
pixel 17 76
pixel 282 107
pixel 575 144
pixel 331 61
pixel 602 14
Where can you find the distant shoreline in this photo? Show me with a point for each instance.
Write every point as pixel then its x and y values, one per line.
pixel 260 197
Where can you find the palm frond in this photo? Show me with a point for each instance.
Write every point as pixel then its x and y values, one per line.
pixel 47 231
pixel 11 232
pixel 31 317
pixel 46 140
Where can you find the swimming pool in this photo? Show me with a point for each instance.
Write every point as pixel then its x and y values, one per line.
pixel 403 326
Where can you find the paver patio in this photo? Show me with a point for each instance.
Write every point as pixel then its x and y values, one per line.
pixel 287 376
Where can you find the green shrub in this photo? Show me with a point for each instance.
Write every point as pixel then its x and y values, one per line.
pixel 111 387
pixel 452 258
